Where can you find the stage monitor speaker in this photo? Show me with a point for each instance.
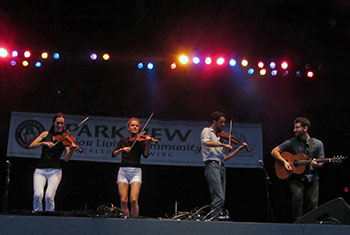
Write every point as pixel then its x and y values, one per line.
pixel 336 211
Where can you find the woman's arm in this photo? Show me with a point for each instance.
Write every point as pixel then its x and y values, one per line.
pixel 37 142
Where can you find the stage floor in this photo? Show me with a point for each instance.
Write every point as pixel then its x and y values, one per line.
pixel 52 225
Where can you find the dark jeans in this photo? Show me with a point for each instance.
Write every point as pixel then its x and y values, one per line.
pixel 216 178
pixel 304 196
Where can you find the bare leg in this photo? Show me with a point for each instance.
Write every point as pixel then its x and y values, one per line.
pixel 123 189
pixel 134 198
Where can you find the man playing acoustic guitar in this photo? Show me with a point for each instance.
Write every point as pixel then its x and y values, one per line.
pixel 303 187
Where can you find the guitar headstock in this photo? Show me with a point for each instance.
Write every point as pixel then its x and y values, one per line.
pixel 338 159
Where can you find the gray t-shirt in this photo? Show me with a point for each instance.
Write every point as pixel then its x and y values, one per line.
pixel 297 145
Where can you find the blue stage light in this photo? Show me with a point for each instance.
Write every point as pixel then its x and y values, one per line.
pixel 13 63
pixel 250 71
pixel 140 65
pixel 38 64
pixel 196 60
pixel 232 62
pixel 272 65
pixel 56 56
pixel 150 66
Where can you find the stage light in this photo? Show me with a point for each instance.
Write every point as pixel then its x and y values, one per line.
pixel 93 56
pixel 284 65
pixel 207 61
pixel 251 71
pixel 173 66
pixel 346 189
pixel 196 60
pixel 274 72
pixel 140 65
pixel 183 59
pixel 220 61
pixel 56 56
pixel 150 66
pixel 3 52
pixel 14 53
pixel 38 64
pixel 244 63
pixel 261 64
pixel 25 63
pixel 13 63
pixel 285 73
pixel 272 65
pixel 310 74
pixel 262 72
pixel 44 55
pixel 27 54
pixel 232 62
pixel 105 56
pixel 298 73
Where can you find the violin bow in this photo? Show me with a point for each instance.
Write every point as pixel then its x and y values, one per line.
pixel 74 129
pixel 229 138
pixel 142 131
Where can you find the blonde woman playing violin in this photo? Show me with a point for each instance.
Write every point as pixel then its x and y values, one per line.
pixel 130 173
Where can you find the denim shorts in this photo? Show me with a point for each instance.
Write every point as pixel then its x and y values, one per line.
pixel 129 175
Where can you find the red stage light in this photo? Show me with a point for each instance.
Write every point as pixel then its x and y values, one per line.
pixel 3 52
pixel 261 64
pixel 220 61
pixel 207 60
pixel 173 66
pixel 310 74
pixel 27 54
pixel 284 65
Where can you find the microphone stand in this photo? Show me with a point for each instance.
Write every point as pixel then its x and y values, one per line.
pixel 270 216
pixel 7 183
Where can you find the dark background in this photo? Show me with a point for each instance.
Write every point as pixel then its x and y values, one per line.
pixel 303 32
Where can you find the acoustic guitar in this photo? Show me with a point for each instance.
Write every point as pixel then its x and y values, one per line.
pixel 299 162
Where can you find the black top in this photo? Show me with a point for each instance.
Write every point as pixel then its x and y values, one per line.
pixel 133 158
pixel 50 158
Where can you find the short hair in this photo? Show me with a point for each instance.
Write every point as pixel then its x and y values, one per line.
pixel 216 115
pixel 303 121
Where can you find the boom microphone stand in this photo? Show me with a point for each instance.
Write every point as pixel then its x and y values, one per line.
pixel 7 183
pixel 270 216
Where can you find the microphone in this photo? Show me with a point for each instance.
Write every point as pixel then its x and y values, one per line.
pixel 261 162
pixel 8 162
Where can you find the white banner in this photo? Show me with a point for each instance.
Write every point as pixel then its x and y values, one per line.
pixel 179 141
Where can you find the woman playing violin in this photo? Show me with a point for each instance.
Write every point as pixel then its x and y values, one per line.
pixel 130 174
pixel 49 167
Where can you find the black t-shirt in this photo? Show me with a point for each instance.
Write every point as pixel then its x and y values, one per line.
pixel 50 158
pixel 133 158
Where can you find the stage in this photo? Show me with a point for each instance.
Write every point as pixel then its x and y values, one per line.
pixel 19 224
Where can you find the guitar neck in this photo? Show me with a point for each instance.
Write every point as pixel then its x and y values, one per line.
pixel 308 162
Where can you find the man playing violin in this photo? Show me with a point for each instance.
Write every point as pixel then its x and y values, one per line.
pixel 49 167
pixel 303 187
pixel 130 173
pixel 214 157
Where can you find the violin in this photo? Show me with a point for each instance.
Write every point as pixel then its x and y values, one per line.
pixel 233 140
pixel 142 137
pixel 67 140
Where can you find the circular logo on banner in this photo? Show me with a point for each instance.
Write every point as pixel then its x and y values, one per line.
pixel 27 131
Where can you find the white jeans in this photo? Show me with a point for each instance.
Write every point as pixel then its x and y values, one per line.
pixel 53 178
